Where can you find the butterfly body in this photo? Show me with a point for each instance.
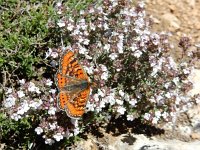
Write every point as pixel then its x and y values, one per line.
pixel 74 86
pixel 79 86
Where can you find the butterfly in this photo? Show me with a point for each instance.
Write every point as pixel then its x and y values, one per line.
pixel 74 86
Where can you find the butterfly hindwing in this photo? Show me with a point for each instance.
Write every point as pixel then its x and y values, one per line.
pixel 76 108
pixel 73 105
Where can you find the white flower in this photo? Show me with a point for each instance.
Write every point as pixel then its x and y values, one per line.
pixel 61 23
pixel 76 131
pixel 101 92
pixel 24 108
pixel 198 100
pixel 178 100
pixel 59 12
pixel 82 12
pixel 35 104
pixel 133 47
pixel 103 67
pixel 104 76
pixel 15 116
pixel 37 90
pixel 53 91
pixel 58 137
pixel 155 120
pixel 48 53
pixel 137 53
pixel 92 26
pixel 159 98
pixel 74 122
pixel 114 3
pixel 58 4
pixel 70 27
pixel 10 101
pixel 20 94
pixel 172 63
pixel 139 23
pixel 86 42
pixel 51 100
pixel 133 102
pixel 102 104
pixel 176 80
pixel 96 97
pixel 130 117
pixel 82 50
pixel 52 125
pixel 91 10
pixel 54 54
pixel 52 111
pixel 88 56
pixel 165 115
pixel 120 46
pixel 49 82
pixel 110 99
pixel 166 85
pixel 119 102
pixel 168 95
pixel 76 32
pixel 127 97
pixel 107 47
pixel 158 114
pixel 31 87
pixel 113 56
pixel 121 93
pixel 141 4
pixel 90 106
pixel 186 71
pixel 121 110
pixel 147 116
pixel 49 141
pixel 89 70
pixel 38 130
pixel 105 25
pixel 22 81
pixel 8 91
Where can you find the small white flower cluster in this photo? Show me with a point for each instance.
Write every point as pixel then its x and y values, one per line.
pixel 33 88
pixel 52 132
pixel 28 97
pixel 10 99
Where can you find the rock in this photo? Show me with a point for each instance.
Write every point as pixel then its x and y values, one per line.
pixel 155 20
pixel 194 117
pixel 191 2
pixel 171 20
pixel 195 136
pixel 141 142
pixel 194 77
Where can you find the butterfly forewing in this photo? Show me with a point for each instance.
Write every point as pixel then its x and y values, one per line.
pixel 70 66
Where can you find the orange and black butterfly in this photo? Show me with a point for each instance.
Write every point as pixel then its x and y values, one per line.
pixel 74 86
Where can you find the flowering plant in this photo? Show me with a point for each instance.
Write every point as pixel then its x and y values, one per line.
pixel 135 74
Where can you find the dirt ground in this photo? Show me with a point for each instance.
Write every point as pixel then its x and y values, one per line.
pixel 179 17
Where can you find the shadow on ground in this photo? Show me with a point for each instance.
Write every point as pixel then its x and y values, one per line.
pixel 119 126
